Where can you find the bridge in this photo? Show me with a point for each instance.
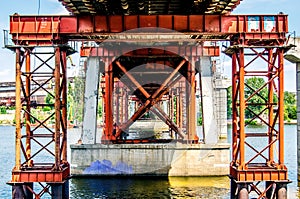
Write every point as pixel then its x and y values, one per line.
pixel 155 56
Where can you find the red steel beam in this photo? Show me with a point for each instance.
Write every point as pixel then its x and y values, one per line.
pixel 137 51
pixel 40 175
pixel 48 30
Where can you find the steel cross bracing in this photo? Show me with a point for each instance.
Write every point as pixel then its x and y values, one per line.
pixel 262 35
pixel 40 139
pixel 253 164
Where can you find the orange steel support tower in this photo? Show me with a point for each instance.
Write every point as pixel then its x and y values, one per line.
pixel 249 36
pixel 258 158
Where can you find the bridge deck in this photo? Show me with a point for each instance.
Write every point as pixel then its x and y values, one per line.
pixel 132 7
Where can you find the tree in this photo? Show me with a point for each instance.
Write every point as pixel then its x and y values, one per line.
pixel 290 107
pixel 256 100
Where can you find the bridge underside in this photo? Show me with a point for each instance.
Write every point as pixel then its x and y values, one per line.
pixel 174 68
pixel 142 7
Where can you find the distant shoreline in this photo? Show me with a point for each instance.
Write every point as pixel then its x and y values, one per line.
pixel 8 119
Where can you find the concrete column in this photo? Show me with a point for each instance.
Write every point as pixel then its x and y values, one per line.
pixel 298 116
pixel 92 79
pixel 220 93
pixel 209 109
pixel 293 56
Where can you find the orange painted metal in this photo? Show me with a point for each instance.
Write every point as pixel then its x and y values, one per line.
pixel 161 51
pixel 259 173
pixel 271 108
pixel 45 174
pixel 28 108
pixel 49 30
pixel 244 31
pixel 280 108
pixel 108 105
pixel 18 110
pixel 263 164
pixel 48 140
pixel 57 107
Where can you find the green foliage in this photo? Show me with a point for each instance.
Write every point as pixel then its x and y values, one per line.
pixel 46 109
pixel 3 109
pixel 251 122
pixel 256 101
pixel 49 99
pixel 199 121
pixel 290 107
pixel 253 84
pixel 99 111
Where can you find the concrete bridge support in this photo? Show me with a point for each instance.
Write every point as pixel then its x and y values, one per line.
pixel 172 159
pixel 293 56
pixel 92 80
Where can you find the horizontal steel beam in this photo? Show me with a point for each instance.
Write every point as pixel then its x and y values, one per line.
pixel 41 175
pixel 159 51
pixel 259 173
pixel 47 30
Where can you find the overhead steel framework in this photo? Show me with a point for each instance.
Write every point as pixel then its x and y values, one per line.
pixel 142 7
pixel 261 36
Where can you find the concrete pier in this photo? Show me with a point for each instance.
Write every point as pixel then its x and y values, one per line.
pixel 210 158
pixel 293 56
pixel 173 159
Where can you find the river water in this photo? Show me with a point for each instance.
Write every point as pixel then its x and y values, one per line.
pixel 172 187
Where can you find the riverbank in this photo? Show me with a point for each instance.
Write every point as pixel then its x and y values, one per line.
pixel 7 119
pixel 290 122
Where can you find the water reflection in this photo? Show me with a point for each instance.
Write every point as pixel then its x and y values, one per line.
pixel 150 187
pixel 172 187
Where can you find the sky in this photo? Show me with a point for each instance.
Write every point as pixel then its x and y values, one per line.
pixel 32 7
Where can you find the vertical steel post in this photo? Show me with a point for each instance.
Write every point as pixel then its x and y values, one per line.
pixel 64 102
pixel 192 102
pixel 234 107
pixel 18 110
pixel 270 105
pixel 109 80
pixel 28 105
pixel 281 107
pixel 57 106
pixel 242 108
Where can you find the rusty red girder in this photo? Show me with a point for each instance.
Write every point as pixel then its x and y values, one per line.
pixel 49 30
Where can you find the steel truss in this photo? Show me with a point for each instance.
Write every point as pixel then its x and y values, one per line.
pixel 113 121
pixel 258 157
pixel 246 33
pixel 35 135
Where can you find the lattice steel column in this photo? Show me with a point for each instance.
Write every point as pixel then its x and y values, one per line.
pixel 257 169
pixel 30 167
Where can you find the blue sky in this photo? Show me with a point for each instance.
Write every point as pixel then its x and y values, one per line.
pixel 7 72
